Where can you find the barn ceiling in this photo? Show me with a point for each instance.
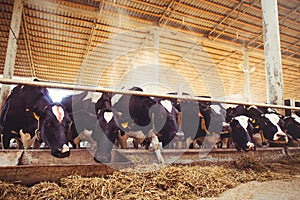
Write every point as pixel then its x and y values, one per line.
pixel 192 46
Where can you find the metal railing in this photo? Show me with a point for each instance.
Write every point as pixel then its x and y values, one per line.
pixel 102 89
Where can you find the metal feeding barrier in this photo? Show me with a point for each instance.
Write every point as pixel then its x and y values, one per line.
pixel 138 93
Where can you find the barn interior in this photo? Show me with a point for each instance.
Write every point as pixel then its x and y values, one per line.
pixel 204 48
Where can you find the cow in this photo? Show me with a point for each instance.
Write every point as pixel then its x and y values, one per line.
pixel 201 122
pixel 107 129
pixel 82 112
pixel 30 109
pixel 269 122
pixel 153 116
pixel 240 129
pixel 93 120
pixel 292 127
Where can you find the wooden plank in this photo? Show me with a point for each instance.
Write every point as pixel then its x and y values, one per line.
pixel 33 166
pixel 11 51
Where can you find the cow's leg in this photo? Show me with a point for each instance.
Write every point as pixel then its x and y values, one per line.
pixel 7 136
pixel 198 142
pixel 138 138
pixel 188 142
pixel 1 138
pixel 263 139
pixel 257 139
pixel 123 140
pixel 224 142
pixel 178 142
pixel 76 142
pixel 36 144
pixel 135 143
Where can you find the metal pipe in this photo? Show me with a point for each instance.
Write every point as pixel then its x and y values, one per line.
pixel 102 89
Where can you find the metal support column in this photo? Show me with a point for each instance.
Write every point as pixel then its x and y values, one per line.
pixel 156 60
pixel 272 52
pixel 11 51
pixel 247 74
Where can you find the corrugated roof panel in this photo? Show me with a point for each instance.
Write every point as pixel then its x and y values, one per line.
pixel 71 36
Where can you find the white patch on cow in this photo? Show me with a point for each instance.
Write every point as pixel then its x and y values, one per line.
pixel 225 124
pixel 115 98
pixel 136 134
pixel 296 117
pixel 108 116
pixel 243 120
pixel 95 96
pixel 216 108
pixel 274 119
pixel 250 145
pixel 167 104
pixel 279 135
pixel 270 110
pixel 65 148
pixel 58 113
pixel 255 107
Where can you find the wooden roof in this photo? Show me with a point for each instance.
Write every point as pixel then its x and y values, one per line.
pixel 164 46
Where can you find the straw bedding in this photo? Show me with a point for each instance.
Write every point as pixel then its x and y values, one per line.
pixel 169 182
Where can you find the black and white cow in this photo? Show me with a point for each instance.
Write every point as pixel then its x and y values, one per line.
pixel 201 122
pixel 97 119
pixel 82 112
pixel 149 115
pixel 107 130
pixel 292 127
pixel 29 108
pixel 240 129
pixel 270 122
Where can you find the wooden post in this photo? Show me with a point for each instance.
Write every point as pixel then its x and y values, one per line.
pixel 272 52
pixel 11 51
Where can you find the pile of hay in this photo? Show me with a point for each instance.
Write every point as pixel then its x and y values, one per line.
pixel 169 182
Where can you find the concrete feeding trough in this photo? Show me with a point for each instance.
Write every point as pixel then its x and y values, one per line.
pixel 32 166
pixel 186 156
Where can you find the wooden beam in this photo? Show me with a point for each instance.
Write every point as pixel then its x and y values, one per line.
pixel 11 51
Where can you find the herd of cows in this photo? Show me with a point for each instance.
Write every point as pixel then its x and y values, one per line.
pixel 31 117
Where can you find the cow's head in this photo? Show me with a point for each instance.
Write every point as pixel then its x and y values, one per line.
pixel 165 121
pixel 104 102
pixel 105 135
pixel 35 98
pixel 241 130
pixel 54 125
pixel 272 126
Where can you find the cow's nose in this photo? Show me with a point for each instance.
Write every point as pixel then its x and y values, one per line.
pixel 64 149
pixel 102 158
pixel 251 146
pixel 280 136
pixel 61 152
